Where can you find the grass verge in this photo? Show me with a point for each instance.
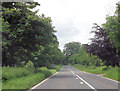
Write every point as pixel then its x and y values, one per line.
pixel 15 78
pixel 23 82
pixel 109 72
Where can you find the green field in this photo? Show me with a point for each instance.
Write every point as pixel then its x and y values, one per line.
pixel 109 72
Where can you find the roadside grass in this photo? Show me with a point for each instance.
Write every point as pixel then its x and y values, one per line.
pixel 21 78
pixel 23 83
pixel 15 72
pixel 109 72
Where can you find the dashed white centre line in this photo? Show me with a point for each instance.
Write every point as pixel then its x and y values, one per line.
pixel 76 78
pixel 86 83
pixel 81 82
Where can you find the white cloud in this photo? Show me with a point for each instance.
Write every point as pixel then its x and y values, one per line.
pixel 74 19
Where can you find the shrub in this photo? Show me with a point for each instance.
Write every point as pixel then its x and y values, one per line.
pixel 44 70
pixel 57 68
pixel 14 72
pixel 23 83
pixel 104 67
pixel 29 65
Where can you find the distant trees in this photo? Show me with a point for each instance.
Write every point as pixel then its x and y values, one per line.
pixel 104 48
pixel 27 36
pixel 71 48
pixel 79 55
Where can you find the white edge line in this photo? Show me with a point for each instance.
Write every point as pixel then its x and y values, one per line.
pixel 44 80
pixel 86 83
pixel 73 72
pixel 109 79
pixel 101 76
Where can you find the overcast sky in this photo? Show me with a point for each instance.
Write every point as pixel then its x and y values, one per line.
pixel 73 19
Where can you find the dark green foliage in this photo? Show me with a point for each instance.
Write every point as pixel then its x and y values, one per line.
pixel 27 36
pixel 103 48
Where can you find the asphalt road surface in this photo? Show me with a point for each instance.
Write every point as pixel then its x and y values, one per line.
pixel 72 78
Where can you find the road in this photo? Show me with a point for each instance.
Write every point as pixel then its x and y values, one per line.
pixel 72 78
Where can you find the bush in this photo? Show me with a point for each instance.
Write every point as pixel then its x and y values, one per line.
pixel 23 83
pixel 57 68
pixel 29 65
pixel 104 67
pixel 14 72
pixel 44 70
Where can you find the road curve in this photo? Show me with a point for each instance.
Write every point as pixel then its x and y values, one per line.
pixel 72 78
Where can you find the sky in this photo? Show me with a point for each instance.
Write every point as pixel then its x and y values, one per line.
pixel 73 19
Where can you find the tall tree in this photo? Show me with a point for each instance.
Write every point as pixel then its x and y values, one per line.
pixel 112 27
pixel 26 36
pixel 102 47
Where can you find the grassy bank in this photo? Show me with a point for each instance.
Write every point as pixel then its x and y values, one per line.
pixel 23 78
pixel 109 72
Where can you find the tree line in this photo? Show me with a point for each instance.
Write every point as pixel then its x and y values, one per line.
pixel 27 36
pixel 104 48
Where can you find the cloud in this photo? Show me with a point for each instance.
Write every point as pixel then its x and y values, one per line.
pixel 73 19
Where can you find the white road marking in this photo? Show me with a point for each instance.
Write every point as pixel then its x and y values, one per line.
pixel 73 72
pixel 44 80
pixel 76 78
pixel 62 68
pixel 109 79
pixel 81 82
pixel 86 83
pixel 101 76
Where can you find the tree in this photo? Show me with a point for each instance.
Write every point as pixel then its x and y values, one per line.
pixel 84 58
pixel 26 36
pixel 15 15
pixel 102 47
pixel 112 27
pixel 71 48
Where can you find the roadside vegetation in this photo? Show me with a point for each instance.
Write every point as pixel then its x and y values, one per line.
pixel 102 55
pixel 30 50
pixel 105 71
pixel 25 77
